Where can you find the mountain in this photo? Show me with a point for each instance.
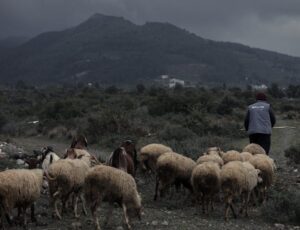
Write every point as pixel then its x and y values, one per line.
pixel 6 44
pixel 113 50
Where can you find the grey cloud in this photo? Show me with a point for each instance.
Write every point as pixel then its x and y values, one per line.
pixel 268 24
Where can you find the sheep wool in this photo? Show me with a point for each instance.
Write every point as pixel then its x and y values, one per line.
pixel 267 167
pixel 113 185
pixel 173 167
pixel 206 182
pixel 148 155
pixel 254 149
pixel 66 176
pixel 246 156
pixel 20 188
pixel 231 155
pixel 211 158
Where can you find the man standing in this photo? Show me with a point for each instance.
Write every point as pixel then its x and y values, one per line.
pixel 259 122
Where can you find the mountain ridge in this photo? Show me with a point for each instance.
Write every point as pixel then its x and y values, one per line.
pixel 113 50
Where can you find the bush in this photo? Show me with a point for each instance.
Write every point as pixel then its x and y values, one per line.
pixel 293 153
pixel 283 206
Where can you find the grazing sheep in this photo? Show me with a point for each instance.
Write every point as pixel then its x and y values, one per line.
pixel 173 168
pixel 19 188
pixel 105 183
pixel 206 183
pixel 65 177
pixel 49 158
pixel 267 167
pixel 238 179
pixel 254 149
pixel 82 154
pixel 211 158
pixel 214 150
pixel 246 156
pixel 253 179
pixel 149 154
pixel 231 155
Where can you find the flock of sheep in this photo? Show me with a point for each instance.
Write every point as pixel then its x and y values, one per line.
pixel 81 177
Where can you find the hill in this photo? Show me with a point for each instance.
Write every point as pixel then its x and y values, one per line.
pixel 113 50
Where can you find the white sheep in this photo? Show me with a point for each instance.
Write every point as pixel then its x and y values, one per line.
pixel 212 157
pixel 206 183
pixel 66 176
pixel 20 188
pixel 254 149
pixel 231 155
pixel 235 180
pixel 149 154
pixel 214 150
pixel 73 153
pixel 246 156
pixel 105 183
pixel 173 168
pixel 267 167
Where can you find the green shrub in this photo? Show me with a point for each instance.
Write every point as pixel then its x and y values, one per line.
pixel 283 206
pixel 293 153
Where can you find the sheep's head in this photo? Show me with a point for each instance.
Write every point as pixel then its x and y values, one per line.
pixel 259 176
pixel 70 153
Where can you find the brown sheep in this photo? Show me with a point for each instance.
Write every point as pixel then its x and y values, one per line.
pixel 206 182
pixel 173 168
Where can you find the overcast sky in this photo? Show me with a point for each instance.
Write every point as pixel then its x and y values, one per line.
pixel 267 24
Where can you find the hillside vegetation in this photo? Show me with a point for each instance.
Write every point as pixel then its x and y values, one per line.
pixel 112 50
pixel 189 120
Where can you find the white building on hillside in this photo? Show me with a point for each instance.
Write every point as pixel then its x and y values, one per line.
pixel 174 81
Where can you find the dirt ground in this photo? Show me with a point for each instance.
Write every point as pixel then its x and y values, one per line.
pixel 178 212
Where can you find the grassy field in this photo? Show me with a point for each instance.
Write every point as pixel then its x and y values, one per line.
pixel 179 212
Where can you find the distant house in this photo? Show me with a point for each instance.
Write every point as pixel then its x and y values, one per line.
pixel 173 82
pixel 259 87
pixel 166 81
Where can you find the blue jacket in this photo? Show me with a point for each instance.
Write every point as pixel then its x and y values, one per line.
pixel 260 118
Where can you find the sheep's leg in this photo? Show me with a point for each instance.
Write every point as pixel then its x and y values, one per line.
pixel 226 211
pixel 32 211
pixel 254 198
pixel 242 203
pixel 212 202
pixel 94 207
pixel 156 188
pixel 203 203
pixel 83 204
pixel 126 216
pixel 232 209
pixel 64 201
pixel 56 212
pixel 55 203
pixel 7 216
pixel 207 200
pixel 246 203
pixel 24 217
pixel 229 204
pixel 75 207
pixel 109 214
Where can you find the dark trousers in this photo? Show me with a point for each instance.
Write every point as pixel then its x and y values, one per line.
pixel 264 140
